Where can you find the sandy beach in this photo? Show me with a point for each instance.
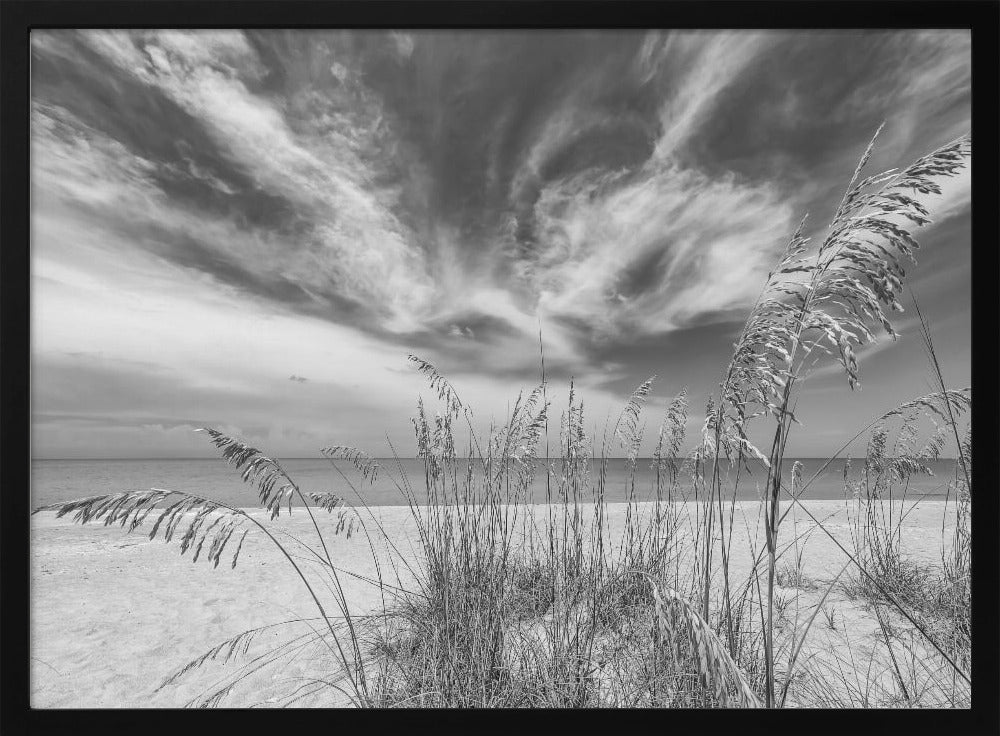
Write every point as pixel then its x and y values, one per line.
pixel 114 614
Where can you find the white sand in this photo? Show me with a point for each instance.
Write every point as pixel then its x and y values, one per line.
pixel 113 614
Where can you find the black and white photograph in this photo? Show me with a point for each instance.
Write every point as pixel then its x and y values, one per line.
pixel 501 368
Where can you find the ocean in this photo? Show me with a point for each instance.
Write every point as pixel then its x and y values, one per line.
pixel 54 481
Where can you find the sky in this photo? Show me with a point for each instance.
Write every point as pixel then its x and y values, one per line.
pixel 252 230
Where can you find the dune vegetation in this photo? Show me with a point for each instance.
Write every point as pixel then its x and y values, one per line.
pixel 517 601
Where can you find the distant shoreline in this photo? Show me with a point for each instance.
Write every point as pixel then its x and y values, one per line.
pixel 53 481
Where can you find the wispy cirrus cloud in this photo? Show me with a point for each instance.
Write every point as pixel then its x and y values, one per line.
pixel 345 242
pixel 449 194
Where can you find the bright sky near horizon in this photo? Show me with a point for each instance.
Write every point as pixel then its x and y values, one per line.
pixel 252 230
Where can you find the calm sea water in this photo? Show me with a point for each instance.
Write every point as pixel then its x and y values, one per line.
pixel 63 480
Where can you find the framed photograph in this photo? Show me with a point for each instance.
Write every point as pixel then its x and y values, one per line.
pixel 500 357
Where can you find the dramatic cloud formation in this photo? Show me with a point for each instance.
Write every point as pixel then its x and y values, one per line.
pixel 253 229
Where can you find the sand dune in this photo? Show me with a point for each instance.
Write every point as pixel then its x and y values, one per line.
pixel 114 614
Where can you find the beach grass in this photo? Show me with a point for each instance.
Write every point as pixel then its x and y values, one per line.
pixel 678 599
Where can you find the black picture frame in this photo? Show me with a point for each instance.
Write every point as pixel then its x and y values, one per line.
pixel 18 18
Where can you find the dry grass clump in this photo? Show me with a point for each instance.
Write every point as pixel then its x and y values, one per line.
pixel 938 596
pixel 533 605
pixel 532 602
pixel 793 577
